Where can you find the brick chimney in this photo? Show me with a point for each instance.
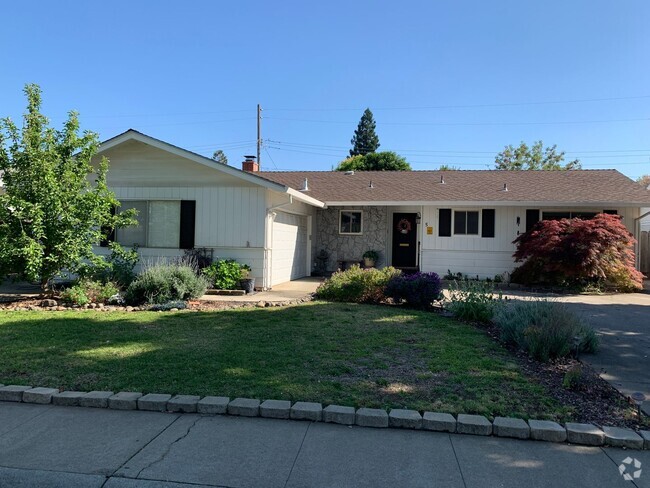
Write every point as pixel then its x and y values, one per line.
pixel 250 164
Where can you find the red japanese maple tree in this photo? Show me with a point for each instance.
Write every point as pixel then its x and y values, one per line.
pixel 578 252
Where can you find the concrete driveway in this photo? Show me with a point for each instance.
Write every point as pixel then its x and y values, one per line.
pixel 623 324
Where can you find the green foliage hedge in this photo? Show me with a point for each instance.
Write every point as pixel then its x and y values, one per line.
pixel 89 292
pixel 225 274
pixel 474 301
pixel 357 285
pixel 164 283
pixel 545 329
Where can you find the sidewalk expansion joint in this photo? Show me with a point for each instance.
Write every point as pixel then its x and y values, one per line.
pixel 297 454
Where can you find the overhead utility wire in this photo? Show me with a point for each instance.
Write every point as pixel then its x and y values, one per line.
pixel 470 124
pixel 430 107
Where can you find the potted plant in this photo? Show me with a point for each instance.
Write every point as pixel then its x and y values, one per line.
pixel 246 282
pixel 370 257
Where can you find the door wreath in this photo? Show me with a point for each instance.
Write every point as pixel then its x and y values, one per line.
pixel 404 226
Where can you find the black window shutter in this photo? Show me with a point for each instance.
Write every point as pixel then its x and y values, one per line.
pixel 532 217
pixel 444 222
pixel 488 222
pixel 610 212
pixel 108 233
pixel 188 224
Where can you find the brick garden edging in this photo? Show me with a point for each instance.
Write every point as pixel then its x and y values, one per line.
pixel 541 430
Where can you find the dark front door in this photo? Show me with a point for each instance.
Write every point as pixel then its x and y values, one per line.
pixel 405 240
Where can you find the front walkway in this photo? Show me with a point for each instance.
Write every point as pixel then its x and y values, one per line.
pixel 285 292
pixel 50 446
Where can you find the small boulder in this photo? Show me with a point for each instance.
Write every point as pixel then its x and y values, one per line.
pixel 48 302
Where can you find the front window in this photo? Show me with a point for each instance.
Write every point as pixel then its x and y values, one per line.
pixel 466 222
pixel 351 222
pixel 568 215
pixel 159 224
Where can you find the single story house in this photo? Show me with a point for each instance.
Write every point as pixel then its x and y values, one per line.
pixel 279 222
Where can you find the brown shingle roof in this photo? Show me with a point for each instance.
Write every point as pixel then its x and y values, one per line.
pixel 568 187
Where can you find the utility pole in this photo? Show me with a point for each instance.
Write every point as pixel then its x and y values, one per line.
pixel 259 136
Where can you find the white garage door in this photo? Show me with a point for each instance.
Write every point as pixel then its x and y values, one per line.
pixel 289 252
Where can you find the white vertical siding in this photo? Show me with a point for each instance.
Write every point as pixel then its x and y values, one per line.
pixel 485 257
pixel 225 216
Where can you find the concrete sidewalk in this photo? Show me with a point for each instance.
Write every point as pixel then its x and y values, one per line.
pixel 49 446
pixel 285 292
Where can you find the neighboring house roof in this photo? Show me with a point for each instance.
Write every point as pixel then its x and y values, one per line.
pixel 132 134
pixel 566 188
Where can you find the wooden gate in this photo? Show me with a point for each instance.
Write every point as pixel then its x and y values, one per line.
pixel 644 252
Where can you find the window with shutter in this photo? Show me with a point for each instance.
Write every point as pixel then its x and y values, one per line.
pixel 444 222
pixel 166 224
pixel 488 227
pixel 532 217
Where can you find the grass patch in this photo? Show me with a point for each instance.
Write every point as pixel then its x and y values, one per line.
pixel 348 354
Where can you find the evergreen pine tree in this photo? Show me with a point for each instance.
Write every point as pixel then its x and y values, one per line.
pixel 365 139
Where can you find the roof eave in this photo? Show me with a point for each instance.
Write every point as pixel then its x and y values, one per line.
pixel 485 203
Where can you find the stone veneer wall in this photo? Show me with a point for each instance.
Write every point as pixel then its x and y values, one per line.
pixel 351 247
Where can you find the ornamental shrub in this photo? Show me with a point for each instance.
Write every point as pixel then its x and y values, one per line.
pixel 357 285
pixel 163 283
pixel 89 292
pixel 224 274
pixel 576 252
pixel 474 301
pixel 545 329
pixel 418 290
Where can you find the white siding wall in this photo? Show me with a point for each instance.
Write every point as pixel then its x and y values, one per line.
pixel 228 219
pixel 486 257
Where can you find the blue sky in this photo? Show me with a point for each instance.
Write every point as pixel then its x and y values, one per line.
pixel 448 82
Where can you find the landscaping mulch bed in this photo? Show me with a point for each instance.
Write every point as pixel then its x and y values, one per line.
pixel 593 399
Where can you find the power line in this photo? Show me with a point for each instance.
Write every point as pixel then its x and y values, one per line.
pixel 459 154
pixel 435 107
pixel 469 124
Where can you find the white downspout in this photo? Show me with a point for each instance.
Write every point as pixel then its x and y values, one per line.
pixel 268 247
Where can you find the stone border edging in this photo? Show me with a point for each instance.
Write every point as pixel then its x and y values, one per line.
pixel 51 305
pixel 541 430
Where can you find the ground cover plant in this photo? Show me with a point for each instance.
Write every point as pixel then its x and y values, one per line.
pixel 578 253
pixel 545 329
pixel 418 290
pixel 357 285
pixel 225 274
pixel 165 282
pixel 473 301
pixel 334 353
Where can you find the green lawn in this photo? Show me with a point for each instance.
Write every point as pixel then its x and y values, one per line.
pixel 347 354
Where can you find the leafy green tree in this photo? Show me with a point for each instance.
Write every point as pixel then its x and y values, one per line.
pixel 448 167
pixel 381 161
pixel 534 157
pixel 51 210
pixel 644 180
pixel 220 157
pixel 365 139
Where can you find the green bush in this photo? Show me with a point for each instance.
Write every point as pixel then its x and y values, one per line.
pixel 357 285
pixel 225 274
pixel 474 301
pixel 89 292
pixel 163 283
pixel 117 267
pixel 545 329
